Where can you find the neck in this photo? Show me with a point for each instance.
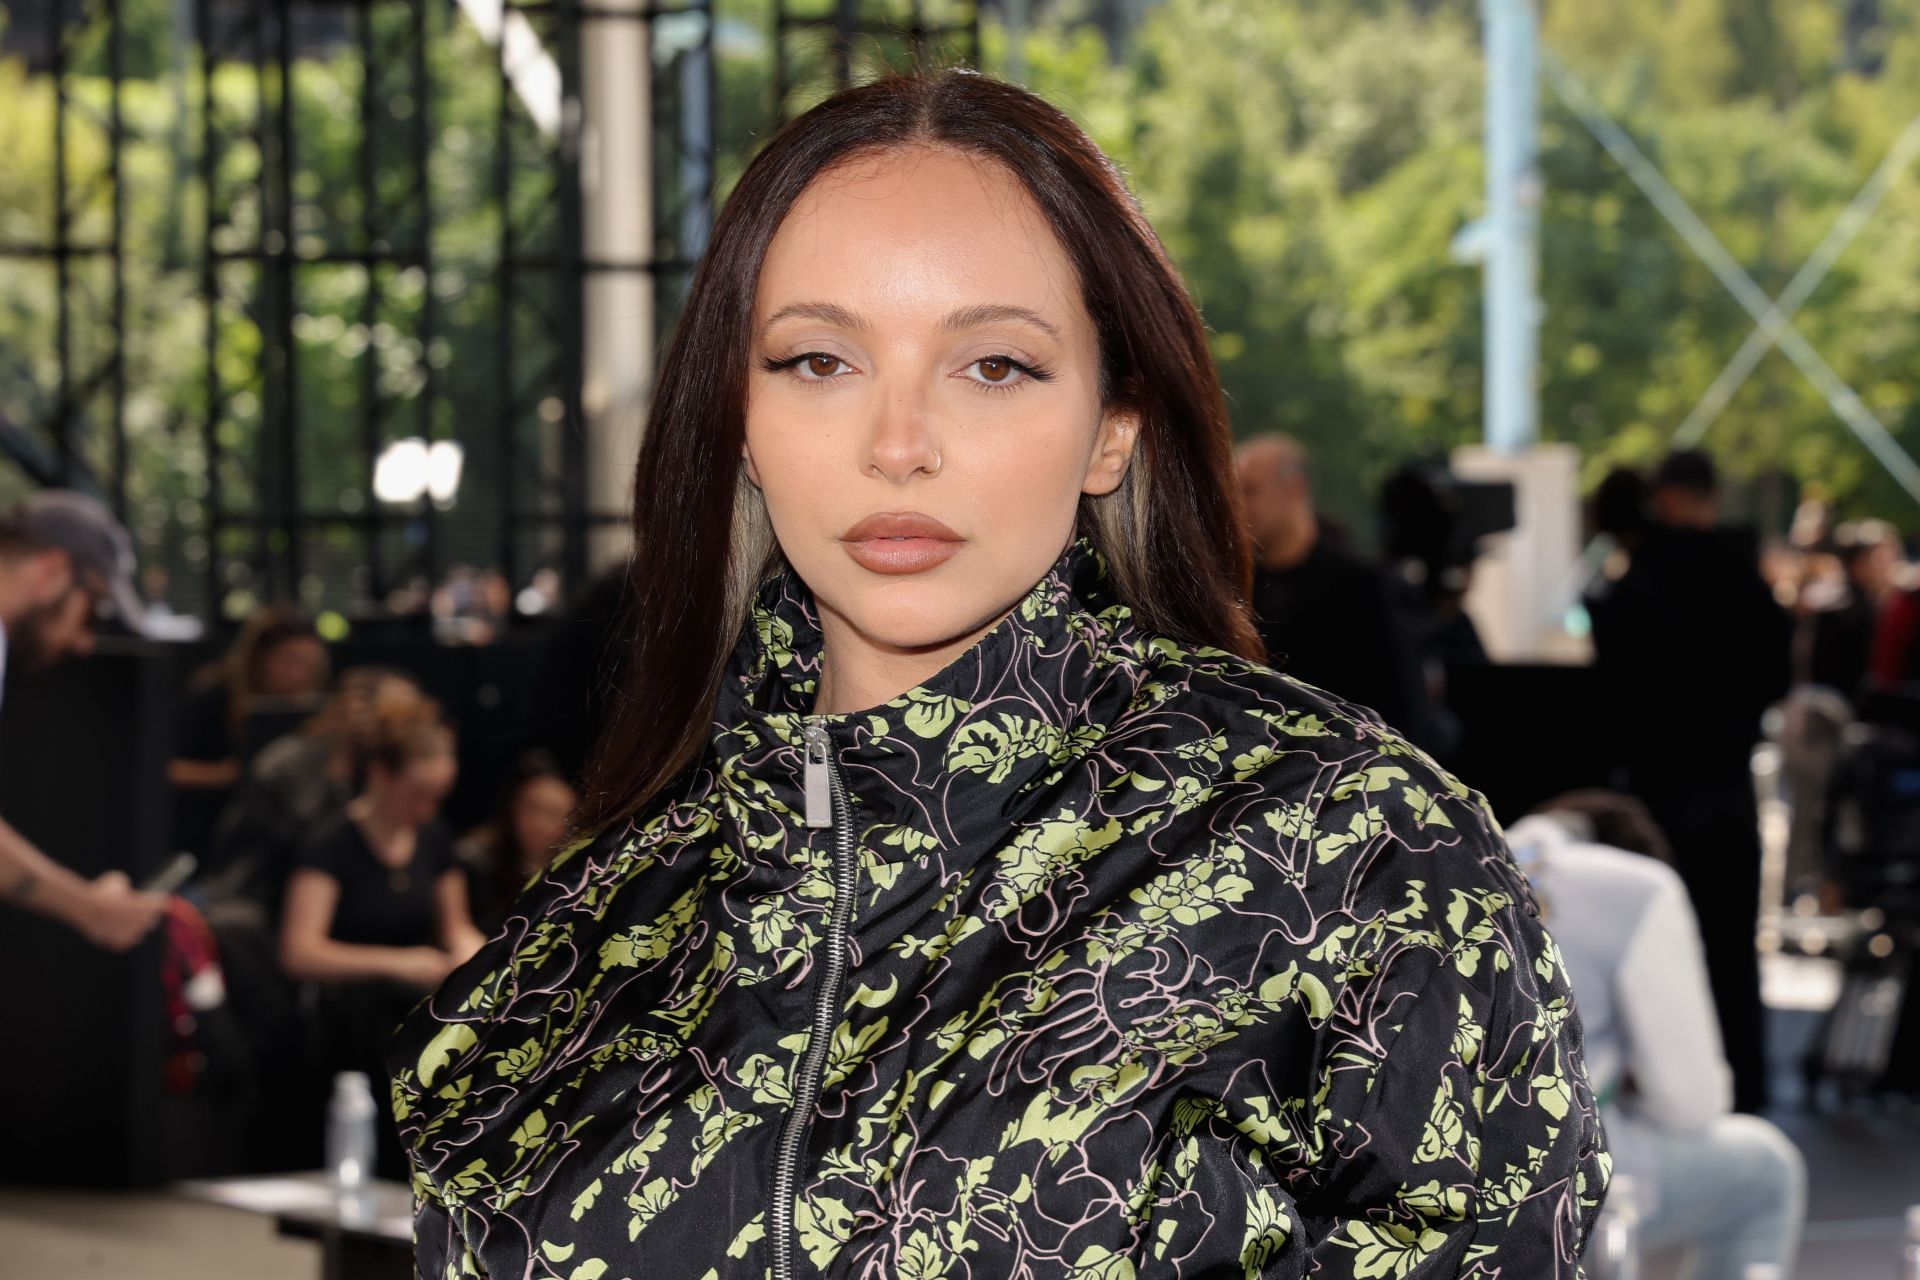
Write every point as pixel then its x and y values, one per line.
pixel 374 818
pixel 1291 545
pixel 856 672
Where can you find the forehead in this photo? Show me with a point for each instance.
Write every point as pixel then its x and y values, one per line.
pixel 920 230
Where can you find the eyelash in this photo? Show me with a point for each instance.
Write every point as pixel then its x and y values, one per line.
pixel 1037 372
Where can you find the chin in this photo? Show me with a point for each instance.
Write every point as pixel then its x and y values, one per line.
pixel 922 612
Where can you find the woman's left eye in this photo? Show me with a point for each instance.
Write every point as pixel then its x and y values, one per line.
pixel 998 372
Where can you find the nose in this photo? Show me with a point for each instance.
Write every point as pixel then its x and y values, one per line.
pixel 901 443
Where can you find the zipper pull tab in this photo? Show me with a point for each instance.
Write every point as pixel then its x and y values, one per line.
pixel 819 786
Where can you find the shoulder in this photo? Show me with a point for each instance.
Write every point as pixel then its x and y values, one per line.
pixel 1602 864
pixel 326 842
pixel 1296 764
pixel 1342 562
pixel 1612 885
pixel 436 835
pixel 530 985
pixel 475 849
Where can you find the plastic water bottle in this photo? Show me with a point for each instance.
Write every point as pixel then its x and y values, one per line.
pixel 350 1135
pixel 1910 1252
pixel 1614 1251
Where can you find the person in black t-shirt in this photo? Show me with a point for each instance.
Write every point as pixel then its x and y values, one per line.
pixel 1325 615
pixel 375 893
pixel 376 909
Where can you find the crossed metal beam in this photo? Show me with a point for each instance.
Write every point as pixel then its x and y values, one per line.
pixel 1773 318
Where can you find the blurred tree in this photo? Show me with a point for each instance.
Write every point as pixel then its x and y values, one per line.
pixel 1308 164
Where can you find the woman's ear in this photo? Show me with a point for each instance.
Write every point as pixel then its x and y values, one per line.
pixel 1112 451
pixel 746 460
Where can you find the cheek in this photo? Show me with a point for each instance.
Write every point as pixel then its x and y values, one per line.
pixel 803 454
pixel 1026 471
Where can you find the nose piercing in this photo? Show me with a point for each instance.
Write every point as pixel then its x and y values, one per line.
pixel 937 464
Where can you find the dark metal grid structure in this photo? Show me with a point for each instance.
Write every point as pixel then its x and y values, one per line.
pixel 353 282
pixel 48 440
pixel 311 168
pixel 537 277
pixel 821 46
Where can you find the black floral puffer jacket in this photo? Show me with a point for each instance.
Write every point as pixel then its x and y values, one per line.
pixel 1097 956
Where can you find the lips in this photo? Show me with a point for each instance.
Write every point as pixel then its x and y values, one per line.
pixel 897 542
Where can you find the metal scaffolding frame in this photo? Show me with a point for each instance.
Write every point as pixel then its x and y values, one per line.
pixel 929 35
pixel 284 229
pixel 50 450
pixel 272 222
pixel 538 277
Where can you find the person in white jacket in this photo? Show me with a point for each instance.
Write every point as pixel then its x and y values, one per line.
pixel 1727 1189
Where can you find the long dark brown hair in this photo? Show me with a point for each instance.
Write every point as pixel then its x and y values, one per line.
pixel 1171 532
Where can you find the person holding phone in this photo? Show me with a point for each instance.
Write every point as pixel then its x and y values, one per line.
pixel 65 562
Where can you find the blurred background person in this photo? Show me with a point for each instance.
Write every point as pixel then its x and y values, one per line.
pixel 1849 583
pixel 1691 649
pixel 501 856
pixel 64 561
pixel 376 910
pixel 277 661
pixel 1323 612
pixel 1728 1190
pixel 297 785
pixel 1842 610
pixel 301 780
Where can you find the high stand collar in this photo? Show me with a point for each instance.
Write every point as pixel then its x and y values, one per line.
pixel 950 765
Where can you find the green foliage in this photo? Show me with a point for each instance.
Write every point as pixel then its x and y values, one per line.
pixel 1308 164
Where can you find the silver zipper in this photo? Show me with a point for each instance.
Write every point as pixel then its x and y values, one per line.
pixel 822 781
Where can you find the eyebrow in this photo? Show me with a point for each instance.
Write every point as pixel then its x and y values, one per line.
pixel 831 313
pixel 990 312
pixel 955 321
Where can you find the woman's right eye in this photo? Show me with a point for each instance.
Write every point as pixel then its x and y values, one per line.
pixel 810 366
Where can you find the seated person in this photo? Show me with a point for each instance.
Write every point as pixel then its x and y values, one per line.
pixel 278 657
pixel 1729 1190
pixel 376 909
pixel 294 785
pixel 503 855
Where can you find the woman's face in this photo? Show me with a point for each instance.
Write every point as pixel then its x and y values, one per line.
pixel 923 407
pixel 540 818
pixel 412 795
pixel 297 665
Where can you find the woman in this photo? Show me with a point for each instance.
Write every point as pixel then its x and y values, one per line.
pixel 502 856
pixel 965 899
pixel 298 782
pixel 376 908
pixel 277 658
pixel 376 893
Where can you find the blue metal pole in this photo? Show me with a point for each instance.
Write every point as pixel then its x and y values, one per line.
pixel 1511 241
